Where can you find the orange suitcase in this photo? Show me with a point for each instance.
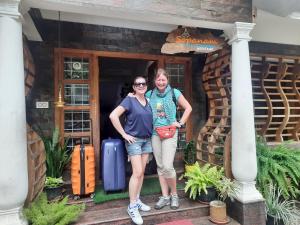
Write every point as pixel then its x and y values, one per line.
pixel 83 170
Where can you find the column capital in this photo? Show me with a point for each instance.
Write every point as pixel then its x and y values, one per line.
pixel 239 31
pixel 10 8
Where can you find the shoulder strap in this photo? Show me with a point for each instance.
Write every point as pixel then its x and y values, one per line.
pixel 173 97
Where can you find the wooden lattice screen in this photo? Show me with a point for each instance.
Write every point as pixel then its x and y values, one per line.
pixel 276 95
pixel 214 136
pixel 276 87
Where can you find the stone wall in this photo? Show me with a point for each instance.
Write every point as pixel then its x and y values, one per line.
pixel 42 120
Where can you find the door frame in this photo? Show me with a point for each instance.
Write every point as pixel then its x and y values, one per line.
pixel 95 74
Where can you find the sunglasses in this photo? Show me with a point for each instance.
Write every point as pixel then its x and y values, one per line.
pixel 140 84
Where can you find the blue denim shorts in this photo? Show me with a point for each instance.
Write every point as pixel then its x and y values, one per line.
pixel 139 147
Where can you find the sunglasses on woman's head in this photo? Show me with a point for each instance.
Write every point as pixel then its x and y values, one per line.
pixel 143 84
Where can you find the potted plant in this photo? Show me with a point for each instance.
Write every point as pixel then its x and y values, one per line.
pixel 189 155
pixel 201 182
pixel 226 188
pixel 53 187
pixel 280 211
pixel 57 157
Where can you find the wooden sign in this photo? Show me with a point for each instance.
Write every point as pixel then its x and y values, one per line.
pixel 184 40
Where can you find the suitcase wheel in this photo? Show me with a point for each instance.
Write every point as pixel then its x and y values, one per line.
pixel 76 197
pixel 92 195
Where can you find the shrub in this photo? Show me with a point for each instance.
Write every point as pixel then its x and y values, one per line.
pixel 199 178
pixel 278 165
pixel 279 208
pixel 226 189
pixel 40 212
pixel 57 156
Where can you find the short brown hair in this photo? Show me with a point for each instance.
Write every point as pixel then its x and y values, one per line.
pixel 161 71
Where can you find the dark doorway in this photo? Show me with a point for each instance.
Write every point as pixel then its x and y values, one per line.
pixel 116 76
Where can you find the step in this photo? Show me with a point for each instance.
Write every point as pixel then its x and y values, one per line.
pixel 118 215
pixel 205 221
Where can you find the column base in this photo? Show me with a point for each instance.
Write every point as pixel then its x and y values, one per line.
pixel 248 192
pixel 12 216
pixel 253 213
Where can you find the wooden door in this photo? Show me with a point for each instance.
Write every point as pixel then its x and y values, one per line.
pixel 77 81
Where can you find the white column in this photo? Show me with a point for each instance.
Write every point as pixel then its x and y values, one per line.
pixel 244 167
pixel 13 153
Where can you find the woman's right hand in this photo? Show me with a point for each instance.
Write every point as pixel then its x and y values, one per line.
pixel 130 139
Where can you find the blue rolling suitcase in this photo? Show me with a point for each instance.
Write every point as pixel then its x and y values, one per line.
pixel 113 165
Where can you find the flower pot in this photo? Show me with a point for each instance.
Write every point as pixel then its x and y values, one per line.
pixel 210 196
pixel 53 192
pixel 271 221
pixel 217 211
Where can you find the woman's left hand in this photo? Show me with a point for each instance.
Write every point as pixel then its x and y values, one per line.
pixel 176 124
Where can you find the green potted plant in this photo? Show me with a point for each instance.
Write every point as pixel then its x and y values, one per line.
pixel 201 181
pixel 42 212
pixel 189 155
pixel 280 211
pixel 226 188
pixel 57 157
pixel 53 187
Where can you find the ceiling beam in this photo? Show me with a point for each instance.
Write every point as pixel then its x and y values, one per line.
pixel 98 8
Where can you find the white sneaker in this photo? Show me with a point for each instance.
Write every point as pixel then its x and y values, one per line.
pixel 134 214
pixel 142 206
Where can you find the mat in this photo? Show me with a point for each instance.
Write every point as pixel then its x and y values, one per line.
pixel 150 186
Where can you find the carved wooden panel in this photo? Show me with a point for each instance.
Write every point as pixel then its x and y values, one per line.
pixel 276 101
pixel 36 160
pixel 276 98
pixel 212 137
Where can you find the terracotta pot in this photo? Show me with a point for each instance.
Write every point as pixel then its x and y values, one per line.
pixel 218 214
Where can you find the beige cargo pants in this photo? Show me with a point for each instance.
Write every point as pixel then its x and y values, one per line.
pixel 164 152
